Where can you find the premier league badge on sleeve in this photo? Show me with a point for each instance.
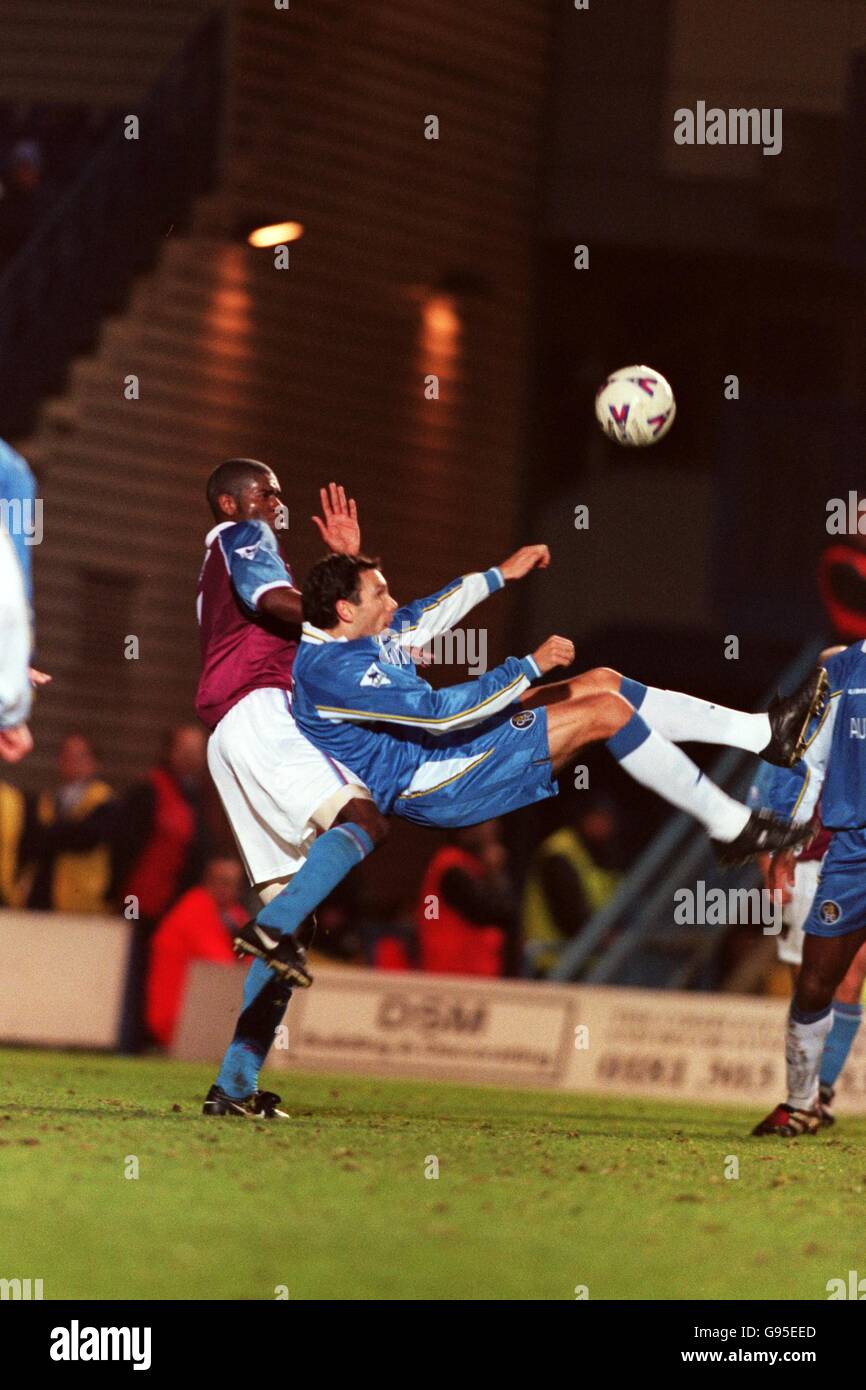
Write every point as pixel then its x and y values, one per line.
pixel 373 676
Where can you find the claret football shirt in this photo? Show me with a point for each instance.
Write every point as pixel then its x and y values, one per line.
pixel 242 649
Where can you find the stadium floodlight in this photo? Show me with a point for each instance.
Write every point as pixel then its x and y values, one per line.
pixel 275 233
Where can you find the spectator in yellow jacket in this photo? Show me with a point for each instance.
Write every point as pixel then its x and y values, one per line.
pixel 64 879
pixel 13 828
pixel 572 875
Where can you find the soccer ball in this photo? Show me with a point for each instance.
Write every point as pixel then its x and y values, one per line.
pixel 635 406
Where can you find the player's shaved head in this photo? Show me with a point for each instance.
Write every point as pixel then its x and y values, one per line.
pixel 231 478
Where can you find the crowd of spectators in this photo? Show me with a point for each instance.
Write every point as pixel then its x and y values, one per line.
pixel 78 846
pixel 160 856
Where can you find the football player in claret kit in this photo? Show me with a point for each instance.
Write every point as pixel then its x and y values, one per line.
pixel 301 821
pixel 463 754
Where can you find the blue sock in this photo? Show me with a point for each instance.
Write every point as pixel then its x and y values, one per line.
pixel 846 1021
pixel 266 996
pixel 633 691
pixel 332 856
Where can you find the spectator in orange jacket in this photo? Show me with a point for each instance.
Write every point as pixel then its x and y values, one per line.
pixel 466 911
pixel 198 927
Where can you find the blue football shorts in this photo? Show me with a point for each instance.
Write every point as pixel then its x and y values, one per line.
pixel 482 773
pixel 839 905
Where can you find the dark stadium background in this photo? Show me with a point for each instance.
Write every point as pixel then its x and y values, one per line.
pixel 594 1126
pixel 452 256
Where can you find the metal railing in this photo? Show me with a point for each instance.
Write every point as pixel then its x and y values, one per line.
pixel 638 918
pixel 81 258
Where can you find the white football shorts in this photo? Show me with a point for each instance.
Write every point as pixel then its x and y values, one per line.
pixel 790 943
pixel 277 790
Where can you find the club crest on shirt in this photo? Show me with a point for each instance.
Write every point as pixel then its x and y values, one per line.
pixel 373 676
pixel 524 720
pixel 247 552
pixel 830 912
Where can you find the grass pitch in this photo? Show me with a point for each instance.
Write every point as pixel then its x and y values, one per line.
pixel 538 1192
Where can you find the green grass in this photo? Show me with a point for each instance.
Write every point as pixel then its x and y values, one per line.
pixel 538 1192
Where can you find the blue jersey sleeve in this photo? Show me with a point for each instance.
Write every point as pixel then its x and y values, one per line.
pixel 779 789
pixel 419 622
pixel 350 682
pixel 832 774
pixel 254 561
pixel 839 666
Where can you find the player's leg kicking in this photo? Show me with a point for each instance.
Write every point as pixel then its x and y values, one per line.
pixel 642 724
pixel 301 823
pixel 777 735
pixel 510 762
pixel 351 689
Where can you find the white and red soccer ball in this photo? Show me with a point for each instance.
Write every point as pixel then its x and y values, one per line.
pixel 635 406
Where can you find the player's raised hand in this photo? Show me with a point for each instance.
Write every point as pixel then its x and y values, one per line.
pixel 556 651
pixel 528 557
pixel 340 529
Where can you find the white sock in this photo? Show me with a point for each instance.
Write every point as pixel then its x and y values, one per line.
pixel 685 719
pixel 804 1045
pixel 664 768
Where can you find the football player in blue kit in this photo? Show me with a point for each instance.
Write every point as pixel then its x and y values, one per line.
pixel 835 929
pixel 463 754
pixel 18 507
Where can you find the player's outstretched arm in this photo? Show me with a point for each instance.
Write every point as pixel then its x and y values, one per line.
pixel 528 557
pixel 418 623
pixel 282 603
pixel 349 687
